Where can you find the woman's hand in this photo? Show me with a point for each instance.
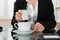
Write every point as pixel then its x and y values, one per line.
pixel 38 27
pixel 18 16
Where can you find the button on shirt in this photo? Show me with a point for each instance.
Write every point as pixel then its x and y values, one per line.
pixel 33 12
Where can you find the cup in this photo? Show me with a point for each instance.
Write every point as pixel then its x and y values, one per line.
pixel 23 26
pixel 24 14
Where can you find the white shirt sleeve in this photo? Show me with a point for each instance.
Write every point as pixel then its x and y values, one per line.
pixel 30 9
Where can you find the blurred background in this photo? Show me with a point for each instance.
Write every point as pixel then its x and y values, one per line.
pixel 6 12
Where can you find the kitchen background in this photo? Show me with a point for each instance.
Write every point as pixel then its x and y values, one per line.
pixel 6 13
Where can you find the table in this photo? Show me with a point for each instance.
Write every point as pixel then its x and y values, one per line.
pixel 46 36
pixel 37 36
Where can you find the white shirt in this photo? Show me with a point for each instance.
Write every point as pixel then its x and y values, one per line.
pixel 33 12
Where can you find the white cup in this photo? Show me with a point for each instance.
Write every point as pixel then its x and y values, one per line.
pixel 24 14
pixel 23 26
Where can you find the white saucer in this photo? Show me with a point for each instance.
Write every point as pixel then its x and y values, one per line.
pixel 27 32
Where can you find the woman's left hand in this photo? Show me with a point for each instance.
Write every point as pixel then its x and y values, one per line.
pixel 38 27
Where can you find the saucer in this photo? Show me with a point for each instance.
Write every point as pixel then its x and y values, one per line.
pixel 24 32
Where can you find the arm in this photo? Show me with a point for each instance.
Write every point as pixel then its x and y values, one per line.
pixel 19 4
pixel 50 22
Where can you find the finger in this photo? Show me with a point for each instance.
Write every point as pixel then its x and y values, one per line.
pixel 38 27
pixel 17 14
pixel 35 28
pixel 41 29
pixel 20 12
pixel 18 18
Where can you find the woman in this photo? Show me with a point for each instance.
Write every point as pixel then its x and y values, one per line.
pixel 45 21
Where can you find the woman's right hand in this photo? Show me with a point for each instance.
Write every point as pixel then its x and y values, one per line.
pixel 18 16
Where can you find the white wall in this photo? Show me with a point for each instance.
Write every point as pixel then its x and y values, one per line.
pixel 10 8
pixel 1 8
pixel 6 9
